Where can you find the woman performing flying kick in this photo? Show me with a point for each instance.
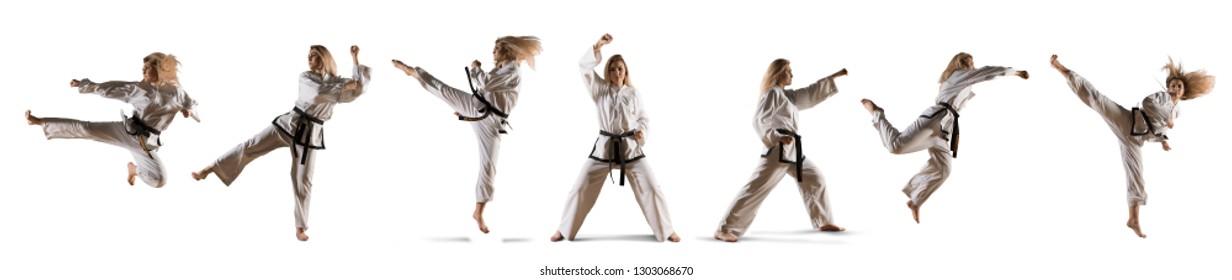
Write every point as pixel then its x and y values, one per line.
pixel 302 129
pixel 1149 122
pixel 155 100
pixel 492 99
pixel 623 127
pixel 937 128
pixel 775 123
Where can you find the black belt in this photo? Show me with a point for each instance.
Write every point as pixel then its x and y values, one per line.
pixel 616 150
pixel 487 109
pixel 1150 128
pixel 799 153
pixel 953 134
pixel 303 133
pixel 143 131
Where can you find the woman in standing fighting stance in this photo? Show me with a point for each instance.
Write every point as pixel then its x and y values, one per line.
pixel 937 129
pixel 302 129
pixel 492 99
pixel 1149 122
pixel 775 123
pixel 623 126
pixel 155 100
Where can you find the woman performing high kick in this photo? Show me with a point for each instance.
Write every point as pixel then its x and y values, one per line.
pixel 302 129
pixel 1148 122
pixel 493 97
pixel 155 100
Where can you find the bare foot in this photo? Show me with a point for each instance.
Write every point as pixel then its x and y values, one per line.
pixel 869 105
pixel 1057 64
pixel 132 173
pixel 402 66
pixel 915 211
pixel 32 120
pixel 299 234
pixel 673 238
pixel 1133 224
pixel 1134 221
pixel 479 218
pixel 728 237
pixel 831 228
pixel 204 173
pixel 557 236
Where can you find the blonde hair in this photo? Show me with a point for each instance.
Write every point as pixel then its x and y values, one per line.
pixel 326 59
pixel 607 72
pixel 774 74
pixel 522 48
pixel 166 66
pixel 1197 83
pixel 959 62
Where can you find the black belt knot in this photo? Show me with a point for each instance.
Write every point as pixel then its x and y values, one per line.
pixel 616 149
pixel 143 131
pixel 953 134
pixel 303 133
pixel 487 109
pixel 1150 128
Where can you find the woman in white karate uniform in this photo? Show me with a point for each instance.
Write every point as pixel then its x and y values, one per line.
pixel 155 100
pixel 937 128
pixel 488 105
pixel 301 129
pixel 623 126
pixel 775 123
pixel 1149 122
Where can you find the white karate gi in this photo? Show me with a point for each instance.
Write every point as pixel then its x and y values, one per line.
pixel 154 107
pixel 1130 128
pixel 777 111
pixel 317 97
pixel 500 88
pixel 620 113
pixel 933 130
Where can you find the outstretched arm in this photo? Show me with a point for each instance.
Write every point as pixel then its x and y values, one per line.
pixel 120 90
pixel 815 93
pixel 971 77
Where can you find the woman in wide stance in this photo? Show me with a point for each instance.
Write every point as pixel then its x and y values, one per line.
pixel 155 100
pixel 937 128
pixel 302 129
pixel 775 123
pixel 487 107
pixel 1149 122
pixel 623 126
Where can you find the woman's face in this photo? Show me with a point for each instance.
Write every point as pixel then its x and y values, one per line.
pixel 1176 88
pixel 498 52
pixel 314 61
pixel 785 79
pixel 617 72
pixel 149 71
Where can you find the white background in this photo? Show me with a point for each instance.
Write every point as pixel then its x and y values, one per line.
pixel 1037 192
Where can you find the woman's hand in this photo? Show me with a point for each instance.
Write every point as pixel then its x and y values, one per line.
pixel 840 73
pixel 786 139
pixel 604 40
